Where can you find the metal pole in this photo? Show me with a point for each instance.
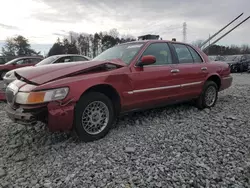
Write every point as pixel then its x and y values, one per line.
pixel 209 44
pixel 227 33
pixel 220 30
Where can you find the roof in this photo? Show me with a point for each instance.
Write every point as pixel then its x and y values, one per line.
pixel 38 57
pixel 154 40
pixel 64 55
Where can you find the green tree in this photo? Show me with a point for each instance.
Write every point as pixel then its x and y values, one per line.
pixel 18 46
pixel 95 44
pixel 57 48
pixel 72 48
pixel 108 42
pixel 66 45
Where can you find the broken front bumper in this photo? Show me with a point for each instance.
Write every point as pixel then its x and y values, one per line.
pixel 57 117
pixel 26 117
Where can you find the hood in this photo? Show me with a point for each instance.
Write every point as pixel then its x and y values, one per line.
pixel 46 73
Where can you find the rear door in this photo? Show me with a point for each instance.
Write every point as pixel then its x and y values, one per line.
pixel 35 60
pixel 153 84
pixel 191 70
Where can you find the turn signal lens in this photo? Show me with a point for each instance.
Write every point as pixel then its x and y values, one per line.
pixel 36 97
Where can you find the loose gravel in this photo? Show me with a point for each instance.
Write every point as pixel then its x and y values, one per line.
pixel 175 146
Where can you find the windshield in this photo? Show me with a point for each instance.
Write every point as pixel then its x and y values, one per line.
pixel 47 60
pixel 125 52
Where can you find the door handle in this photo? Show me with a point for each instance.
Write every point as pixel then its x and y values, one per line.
pixel 204 68
pixel 175 70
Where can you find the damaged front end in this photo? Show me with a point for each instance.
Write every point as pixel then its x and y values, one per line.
pixel 49 94
pixel 27 107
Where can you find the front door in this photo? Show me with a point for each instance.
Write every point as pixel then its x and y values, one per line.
pixel 153 84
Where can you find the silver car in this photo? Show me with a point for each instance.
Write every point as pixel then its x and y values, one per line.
pixel 63 58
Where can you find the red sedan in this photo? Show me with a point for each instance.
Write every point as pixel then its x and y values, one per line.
pixel 19 62
pixel 89 96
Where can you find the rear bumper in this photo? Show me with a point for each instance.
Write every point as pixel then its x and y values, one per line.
pixel 56 117
pixel 226 82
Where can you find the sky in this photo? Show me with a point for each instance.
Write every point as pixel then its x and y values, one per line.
pixel 43 21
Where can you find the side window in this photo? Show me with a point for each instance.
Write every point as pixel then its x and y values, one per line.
pixel 183 53
pixel 64 60
pixel 196 56
pixel 27 61
pixel 20 62
pixel 79 58
pixel 161 52
pixel 35 60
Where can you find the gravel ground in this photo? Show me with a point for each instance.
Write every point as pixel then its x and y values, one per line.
pixel 177 146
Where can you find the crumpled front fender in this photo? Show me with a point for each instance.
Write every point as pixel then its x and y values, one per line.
pixel 60 117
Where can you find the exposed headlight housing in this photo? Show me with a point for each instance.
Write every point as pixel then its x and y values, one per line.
pixel 41 96
pixel 8 74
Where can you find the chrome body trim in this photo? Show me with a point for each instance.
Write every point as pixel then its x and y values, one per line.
pixel 164 87
pixel 191 84
pixel 227 77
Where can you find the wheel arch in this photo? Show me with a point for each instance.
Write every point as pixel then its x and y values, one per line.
pixel 109 91
pixel 215 78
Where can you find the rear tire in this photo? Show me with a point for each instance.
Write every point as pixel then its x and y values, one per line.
pixel 94 116
pixel 209 95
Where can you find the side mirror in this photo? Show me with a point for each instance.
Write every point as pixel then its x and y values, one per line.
pixel 147 60
pixel 14 63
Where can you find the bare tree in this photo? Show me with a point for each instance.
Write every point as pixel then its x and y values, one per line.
pixel 198 43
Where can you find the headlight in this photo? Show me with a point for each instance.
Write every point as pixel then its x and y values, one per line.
pixel 7 74
pixel 41 96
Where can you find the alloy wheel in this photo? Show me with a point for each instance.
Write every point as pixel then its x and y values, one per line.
pixel 210 95
pixel 95 117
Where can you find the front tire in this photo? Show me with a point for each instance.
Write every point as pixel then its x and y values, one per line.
pixel 94 116
pixel 209 95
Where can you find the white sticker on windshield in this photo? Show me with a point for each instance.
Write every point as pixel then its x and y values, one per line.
pixel 135 46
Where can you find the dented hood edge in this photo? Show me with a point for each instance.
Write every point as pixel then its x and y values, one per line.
pixel 44 76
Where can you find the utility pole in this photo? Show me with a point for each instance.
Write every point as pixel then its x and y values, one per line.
pixel 184 32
